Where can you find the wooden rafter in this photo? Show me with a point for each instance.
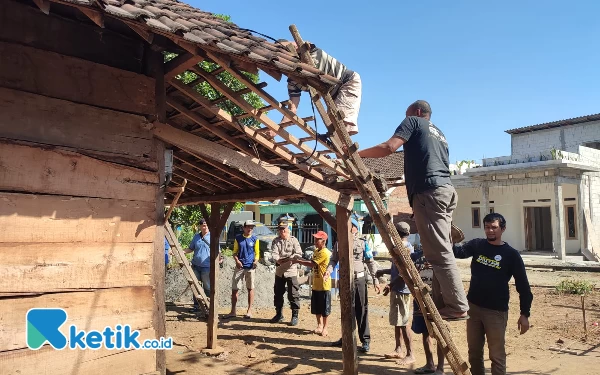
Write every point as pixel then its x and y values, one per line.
pixel 199 177
pixel 252 133
pixel 263 195
pixel 233 172
pixel 263 118
pixel 219 132
pixel 213 175
pixel 253 167
pixel 322 211
pixel 143 32
pixel 200 189
pixel 93 14
pixel 180 64
pixel 44 5
pixel 281 107
pixel 174 201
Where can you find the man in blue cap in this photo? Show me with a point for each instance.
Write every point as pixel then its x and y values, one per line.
pixel 362 256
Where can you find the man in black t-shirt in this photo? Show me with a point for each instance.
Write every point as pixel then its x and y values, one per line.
pixel 432 198
pixel 494 264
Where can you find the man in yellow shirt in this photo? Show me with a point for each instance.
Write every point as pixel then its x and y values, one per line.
pixel 246 253
pixel 320 303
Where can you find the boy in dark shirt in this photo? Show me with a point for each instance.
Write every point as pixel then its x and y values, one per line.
pixel 494 264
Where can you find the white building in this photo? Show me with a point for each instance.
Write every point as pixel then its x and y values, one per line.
pixel 542 189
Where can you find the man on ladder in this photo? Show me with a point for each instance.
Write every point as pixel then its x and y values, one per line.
pixel 432 198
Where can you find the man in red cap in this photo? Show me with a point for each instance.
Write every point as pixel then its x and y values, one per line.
pixel 320 302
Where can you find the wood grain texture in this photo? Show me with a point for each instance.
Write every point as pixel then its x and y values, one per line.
pixel 29 218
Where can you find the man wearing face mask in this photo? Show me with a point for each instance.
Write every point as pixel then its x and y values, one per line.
pixel 362 257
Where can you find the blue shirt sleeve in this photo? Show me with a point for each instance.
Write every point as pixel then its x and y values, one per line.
pixel 195 239
pixel 167 246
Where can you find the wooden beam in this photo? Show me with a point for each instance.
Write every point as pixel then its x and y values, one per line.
pixel 217 220
pixel 252 133
pixel 158 269
pixel 346 282
pixel 219 132
pixel 262 117
pixel 281 107
pixel 213 175
pixel 229 171
pixel 200 190
pixel 155 69
pixel 322 211
pixel 180 64
pixel 263 195
pixel 198 175
pixel 144 33
pixel 192 179
pixel 44 5
pixel 174 202
pixel 253 167
pixel 205 214
pixel 95 15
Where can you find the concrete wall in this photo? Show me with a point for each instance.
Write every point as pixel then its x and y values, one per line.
pixel 566 138
pixel 508 201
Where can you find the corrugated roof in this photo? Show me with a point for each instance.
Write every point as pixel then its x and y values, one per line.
pixel 555 124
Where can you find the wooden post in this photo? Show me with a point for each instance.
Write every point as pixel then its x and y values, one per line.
pixel 158 271
pixel 217 220
pixel 583 310
pixel 346 285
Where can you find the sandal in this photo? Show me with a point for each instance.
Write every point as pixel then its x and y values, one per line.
pixel 424 370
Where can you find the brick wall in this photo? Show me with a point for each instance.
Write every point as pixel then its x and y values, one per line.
pixel 399 207
pixel 566 138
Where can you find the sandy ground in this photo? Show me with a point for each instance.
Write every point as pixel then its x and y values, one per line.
pixel 256 346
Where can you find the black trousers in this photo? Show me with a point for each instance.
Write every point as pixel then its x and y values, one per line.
pixel 360 301
pixel 293 290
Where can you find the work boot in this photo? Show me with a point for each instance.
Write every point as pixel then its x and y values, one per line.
pixel 294 321
pixel 278 318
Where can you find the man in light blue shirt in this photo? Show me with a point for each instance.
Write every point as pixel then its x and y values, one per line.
pixel 200 245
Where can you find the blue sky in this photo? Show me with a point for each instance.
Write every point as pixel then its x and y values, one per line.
pixel 485 67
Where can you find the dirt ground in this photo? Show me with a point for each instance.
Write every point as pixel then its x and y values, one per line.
pixel 256 346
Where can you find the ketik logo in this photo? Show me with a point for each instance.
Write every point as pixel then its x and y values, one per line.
pixel 43 326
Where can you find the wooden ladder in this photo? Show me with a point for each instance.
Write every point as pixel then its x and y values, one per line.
pixel 189 274
pixel 346 150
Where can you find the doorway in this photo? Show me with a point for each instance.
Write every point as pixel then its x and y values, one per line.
pixel 538 229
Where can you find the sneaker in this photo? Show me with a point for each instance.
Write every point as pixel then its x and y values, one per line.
pixel 365 347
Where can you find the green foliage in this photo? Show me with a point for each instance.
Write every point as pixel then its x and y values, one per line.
pixel 208 92
pixel 571 286
pixel 186 219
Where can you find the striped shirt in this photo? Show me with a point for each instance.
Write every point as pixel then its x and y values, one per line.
pixel 328 65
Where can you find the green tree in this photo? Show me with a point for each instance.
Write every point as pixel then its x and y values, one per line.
pixel 185 218
pixel 230 81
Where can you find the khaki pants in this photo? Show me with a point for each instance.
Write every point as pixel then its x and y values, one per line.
pixel 433 214
pixel 491 324
pixel 348 101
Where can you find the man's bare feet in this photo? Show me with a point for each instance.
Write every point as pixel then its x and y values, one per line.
pixel 324 333
pixel 318 330
pixel 393 355
pixel 409 359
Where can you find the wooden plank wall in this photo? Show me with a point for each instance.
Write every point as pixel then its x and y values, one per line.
pixel 79 191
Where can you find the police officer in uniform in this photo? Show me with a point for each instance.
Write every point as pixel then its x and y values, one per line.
pixel 362 257
pixel 285 248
